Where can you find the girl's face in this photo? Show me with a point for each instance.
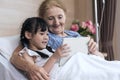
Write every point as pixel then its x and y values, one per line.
pixel 39 40
pixel 55 17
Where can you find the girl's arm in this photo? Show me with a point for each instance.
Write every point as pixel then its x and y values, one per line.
pixel 62 51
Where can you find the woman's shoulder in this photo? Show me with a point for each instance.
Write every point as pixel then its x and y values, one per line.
pixel 51 35
pixel 54 40
pixel 72 33
pixel 69 31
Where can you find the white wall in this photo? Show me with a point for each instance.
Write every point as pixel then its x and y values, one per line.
pixel 13 13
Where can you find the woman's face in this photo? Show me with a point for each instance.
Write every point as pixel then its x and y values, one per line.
pixel 55 17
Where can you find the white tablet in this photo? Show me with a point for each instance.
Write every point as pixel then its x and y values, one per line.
pixel 76 45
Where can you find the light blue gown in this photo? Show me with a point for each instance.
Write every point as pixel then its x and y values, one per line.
pixel 55 41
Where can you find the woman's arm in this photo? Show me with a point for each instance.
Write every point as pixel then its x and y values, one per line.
pixel 26 64
pixel 18 61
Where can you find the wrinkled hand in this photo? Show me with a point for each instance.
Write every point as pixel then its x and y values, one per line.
pixel 92 46
pixel 37 73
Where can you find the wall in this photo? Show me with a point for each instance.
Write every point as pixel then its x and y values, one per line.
pixel 84 10
pixel 13 13
pixel 116 40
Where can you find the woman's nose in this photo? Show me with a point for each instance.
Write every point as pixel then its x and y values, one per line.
pixel 56 21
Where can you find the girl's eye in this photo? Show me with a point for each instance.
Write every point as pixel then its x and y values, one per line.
pixel 41 33
pixel 47 33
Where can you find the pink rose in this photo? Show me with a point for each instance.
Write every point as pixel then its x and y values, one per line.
pixel 87 28
pixel 88 23
pixel 91 29
pixel 74 27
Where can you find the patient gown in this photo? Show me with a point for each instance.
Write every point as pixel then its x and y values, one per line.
pixel 82 67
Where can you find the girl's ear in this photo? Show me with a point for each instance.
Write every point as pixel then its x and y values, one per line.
pixel 28 35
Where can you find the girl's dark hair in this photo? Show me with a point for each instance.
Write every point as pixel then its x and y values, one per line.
pixel 32 25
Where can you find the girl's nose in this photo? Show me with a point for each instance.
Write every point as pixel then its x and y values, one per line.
pixel 46 37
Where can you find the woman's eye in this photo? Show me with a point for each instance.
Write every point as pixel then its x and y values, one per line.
pixel 50 18
pixel 60 16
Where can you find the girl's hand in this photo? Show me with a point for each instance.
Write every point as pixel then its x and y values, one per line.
pixel 62 51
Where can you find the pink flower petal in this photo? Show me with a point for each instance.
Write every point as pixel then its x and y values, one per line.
pixel 74 27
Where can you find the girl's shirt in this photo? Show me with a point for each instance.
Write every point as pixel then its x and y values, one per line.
pixel 55 41
pixel 39 60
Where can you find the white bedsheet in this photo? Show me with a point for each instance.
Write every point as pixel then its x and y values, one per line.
pixel 82 67
pixel 8 71
pixel 89 67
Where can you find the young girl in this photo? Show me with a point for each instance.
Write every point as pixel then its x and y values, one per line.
pixel 34 38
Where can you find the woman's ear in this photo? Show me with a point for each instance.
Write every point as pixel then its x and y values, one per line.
pixel 28 35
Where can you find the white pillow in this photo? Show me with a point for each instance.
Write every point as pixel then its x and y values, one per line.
pixel 8 44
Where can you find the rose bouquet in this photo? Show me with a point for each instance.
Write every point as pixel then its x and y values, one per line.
pixel 84 29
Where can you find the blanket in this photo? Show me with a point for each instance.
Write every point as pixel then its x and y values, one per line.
pixel 89 67
pixel 84 67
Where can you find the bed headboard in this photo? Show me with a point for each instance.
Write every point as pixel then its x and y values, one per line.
pixel 14 12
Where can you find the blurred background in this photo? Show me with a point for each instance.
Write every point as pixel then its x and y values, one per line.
pixel 14 12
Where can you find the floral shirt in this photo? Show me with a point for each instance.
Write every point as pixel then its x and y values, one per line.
pixel 55 41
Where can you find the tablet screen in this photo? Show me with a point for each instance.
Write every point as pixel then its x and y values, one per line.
pixel 79 44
